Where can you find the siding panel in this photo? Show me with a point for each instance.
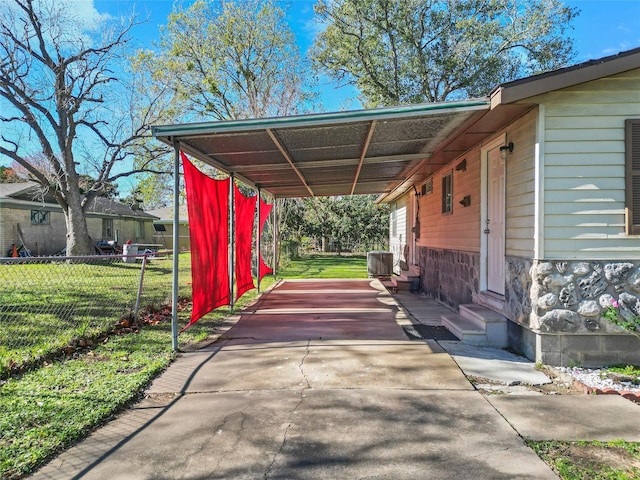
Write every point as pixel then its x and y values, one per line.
pixel 584 169
pixel 520 190
pixel 398 241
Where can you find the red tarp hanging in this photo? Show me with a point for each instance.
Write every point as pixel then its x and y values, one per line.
pixel 265 209
pixel 245 208
pixel 208 207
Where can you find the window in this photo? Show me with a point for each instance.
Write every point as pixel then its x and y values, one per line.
pixel 107 228
pixel 39 217
pixel 447 193
pixel 140 229
pixel 632 175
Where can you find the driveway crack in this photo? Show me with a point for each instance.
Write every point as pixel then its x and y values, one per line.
pixel 301 366
pixel 293 412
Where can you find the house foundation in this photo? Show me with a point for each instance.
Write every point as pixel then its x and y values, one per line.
pixel 556 308
pixel 451 277
pixel 569 303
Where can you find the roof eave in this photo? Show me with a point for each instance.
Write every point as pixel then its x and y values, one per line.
pixel 529 87
pixel 167 133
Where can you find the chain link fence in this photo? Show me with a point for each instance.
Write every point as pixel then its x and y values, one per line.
pixel 50 304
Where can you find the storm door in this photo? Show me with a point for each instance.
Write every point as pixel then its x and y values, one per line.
pixel 495 222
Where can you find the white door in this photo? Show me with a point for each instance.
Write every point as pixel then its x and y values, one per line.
pixel 495 221
pixel 413 226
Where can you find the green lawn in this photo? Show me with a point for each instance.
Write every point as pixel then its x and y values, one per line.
pixel 616 460
pixel 50 307
pixel 326 266
pixel 48 408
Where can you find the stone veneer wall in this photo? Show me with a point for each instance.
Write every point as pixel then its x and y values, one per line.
pixel 449 276
pixel 561 303
pixel 555 307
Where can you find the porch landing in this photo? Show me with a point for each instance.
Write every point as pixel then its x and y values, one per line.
pixel 473 325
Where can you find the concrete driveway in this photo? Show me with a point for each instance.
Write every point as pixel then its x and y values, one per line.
pixel 316 381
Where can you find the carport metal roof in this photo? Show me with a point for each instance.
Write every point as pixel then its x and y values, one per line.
pixel 381 151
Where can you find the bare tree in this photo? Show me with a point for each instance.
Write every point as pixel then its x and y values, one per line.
pixel 64 103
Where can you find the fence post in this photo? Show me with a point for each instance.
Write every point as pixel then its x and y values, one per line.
pixel 275 236
pixel 137 307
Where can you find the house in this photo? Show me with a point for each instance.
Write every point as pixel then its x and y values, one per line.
pixel 163 227
pixel 26 214
pixel 520 210
pixel 539 220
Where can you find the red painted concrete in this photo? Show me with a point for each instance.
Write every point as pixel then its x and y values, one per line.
pixel 302 310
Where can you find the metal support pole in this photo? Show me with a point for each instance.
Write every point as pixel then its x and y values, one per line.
pixel 176 237
pixel 232 238
pixel 275 235
pixel 258 225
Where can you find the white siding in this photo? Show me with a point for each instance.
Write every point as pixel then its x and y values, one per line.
pixel 399 240
pixel 520 188
pixel 584 210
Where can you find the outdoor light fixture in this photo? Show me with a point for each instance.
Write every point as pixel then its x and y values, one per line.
pixel 504 149
pixel 466 201
pixel 462 166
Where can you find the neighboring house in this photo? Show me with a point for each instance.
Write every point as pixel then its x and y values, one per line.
pixel 26 211
pixel 163 227
pixel 540 220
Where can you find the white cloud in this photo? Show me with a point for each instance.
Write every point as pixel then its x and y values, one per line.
pixel 85 12
pixel 74 19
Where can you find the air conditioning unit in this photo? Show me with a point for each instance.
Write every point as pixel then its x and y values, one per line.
pixel 379 264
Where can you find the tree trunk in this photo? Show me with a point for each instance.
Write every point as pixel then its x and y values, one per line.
pixel 78 240
pixel 325 244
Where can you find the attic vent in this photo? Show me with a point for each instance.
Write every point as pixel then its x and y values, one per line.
pixel 427 187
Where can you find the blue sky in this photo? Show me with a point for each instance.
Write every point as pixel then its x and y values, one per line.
pixel 604 27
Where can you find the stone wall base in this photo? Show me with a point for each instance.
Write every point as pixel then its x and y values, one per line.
pixel 566 350
pixel 451 277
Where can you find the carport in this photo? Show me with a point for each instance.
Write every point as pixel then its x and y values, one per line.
pixel 382 151
pixel 316 381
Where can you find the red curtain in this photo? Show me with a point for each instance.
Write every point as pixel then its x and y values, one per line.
pixel 245 208
pixel 265 209
pixel 208 207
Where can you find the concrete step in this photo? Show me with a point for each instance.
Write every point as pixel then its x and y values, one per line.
pixel 474 319
pixel 412 272
pixel 490 300
pixel 406 284
pixel 492 322
pixel 480 314
pixel 389 284
pixel 463 328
